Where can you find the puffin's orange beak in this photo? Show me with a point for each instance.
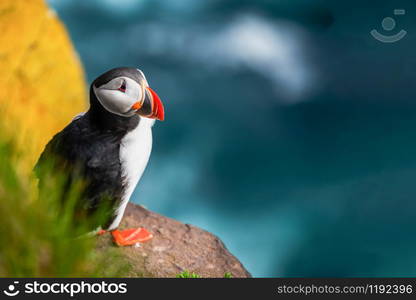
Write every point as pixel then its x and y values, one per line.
pixel 158 111
pixel 151 107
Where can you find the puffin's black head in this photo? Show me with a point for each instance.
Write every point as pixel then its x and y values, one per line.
pixel 125 92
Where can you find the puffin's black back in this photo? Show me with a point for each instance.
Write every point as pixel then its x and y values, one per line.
pixel 88 149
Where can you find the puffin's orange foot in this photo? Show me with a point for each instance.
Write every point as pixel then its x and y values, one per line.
pixel 131 236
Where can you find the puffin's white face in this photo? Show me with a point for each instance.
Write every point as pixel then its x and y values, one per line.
pixel 120 94
pixel 125 96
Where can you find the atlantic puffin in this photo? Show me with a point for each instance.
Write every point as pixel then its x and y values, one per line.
pixel 108 147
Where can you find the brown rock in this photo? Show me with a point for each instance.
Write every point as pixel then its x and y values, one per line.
pixel 175 247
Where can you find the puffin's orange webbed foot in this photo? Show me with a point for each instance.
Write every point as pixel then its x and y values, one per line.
pixel 131 236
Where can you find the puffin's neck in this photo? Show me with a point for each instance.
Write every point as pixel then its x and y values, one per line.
pixel 107 121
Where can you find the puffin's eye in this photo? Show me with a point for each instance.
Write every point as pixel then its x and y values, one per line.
pixel 122 88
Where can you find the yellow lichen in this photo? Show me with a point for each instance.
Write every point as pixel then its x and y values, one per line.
pixel 42 83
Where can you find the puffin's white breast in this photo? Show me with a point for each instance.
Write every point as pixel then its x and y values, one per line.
pixel 135 151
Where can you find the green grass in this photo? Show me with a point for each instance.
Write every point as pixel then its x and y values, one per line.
pixel 38 237
pixel 187 274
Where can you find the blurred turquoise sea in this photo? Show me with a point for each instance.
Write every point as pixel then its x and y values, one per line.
pixel 289 132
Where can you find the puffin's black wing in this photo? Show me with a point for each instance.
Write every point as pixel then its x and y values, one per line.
pixel 82 151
